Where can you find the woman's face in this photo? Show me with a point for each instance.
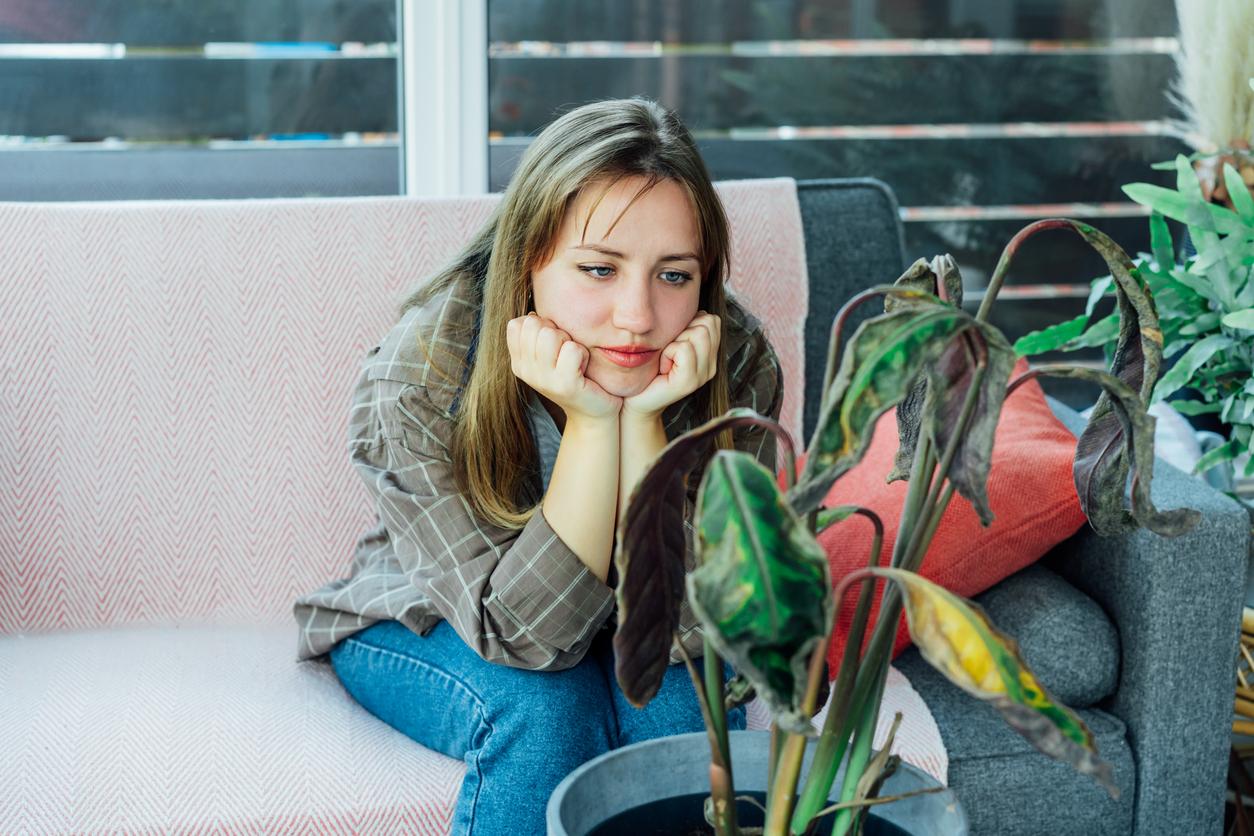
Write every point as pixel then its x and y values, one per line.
pixel 624 293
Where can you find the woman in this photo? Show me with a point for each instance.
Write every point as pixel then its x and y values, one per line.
pixel 500 427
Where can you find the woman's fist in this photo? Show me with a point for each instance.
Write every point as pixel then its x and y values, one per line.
pixel 546 358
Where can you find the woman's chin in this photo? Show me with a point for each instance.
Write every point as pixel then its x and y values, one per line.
pixel 624 384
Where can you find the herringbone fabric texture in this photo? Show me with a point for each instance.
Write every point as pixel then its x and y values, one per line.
pixel 176 380
pixel 194 731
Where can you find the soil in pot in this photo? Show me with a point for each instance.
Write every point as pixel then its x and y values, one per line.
pixel 683 815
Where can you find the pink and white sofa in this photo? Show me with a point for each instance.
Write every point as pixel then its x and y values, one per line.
pixel 173 474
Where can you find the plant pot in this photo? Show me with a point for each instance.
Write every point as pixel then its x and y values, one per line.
pixel 668 767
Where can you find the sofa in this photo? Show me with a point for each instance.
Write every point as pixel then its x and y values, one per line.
pixel 174 475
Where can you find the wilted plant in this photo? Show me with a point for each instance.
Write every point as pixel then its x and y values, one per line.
pixel 1206 307
pixel 761 586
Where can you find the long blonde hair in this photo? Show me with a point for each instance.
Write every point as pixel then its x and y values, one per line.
pixel 492 450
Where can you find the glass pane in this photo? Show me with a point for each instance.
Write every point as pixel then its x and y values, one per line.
pixel 715 21
pixel 204 76
pixel 726 92
pixel 166 23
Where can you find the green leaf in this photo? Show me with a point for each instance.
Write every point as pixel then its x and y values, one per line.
pixel 830 516
pixel 1179 207
pixel 1100 287
pixel 1119 437
pixel 1052 338
pixel 1240 194
pixel 763 591
pixel 1182 372
pixel 955 636
pixel 1103 331
pixel 1223 453
pixel 1205 322
pixel 650 556
pixel 1175 347
pixel 1160 242
pixel 1240 319
pixel 945 386
pixel 1198 284
pixel 1193 407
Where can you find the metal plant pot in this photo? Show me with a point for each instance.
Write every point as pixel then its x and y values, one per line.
pixel 635 775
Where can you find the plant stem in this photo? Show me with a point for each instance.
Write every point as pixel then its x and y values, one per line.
pixel 783 787
pixel 860 751
pixel 921 471
pixel 722 788
pixel 714 696
pixel 835 734
pixel 1003 264
pixel 920 535
pixel 718 713
pixel 920 480
pixel 777 749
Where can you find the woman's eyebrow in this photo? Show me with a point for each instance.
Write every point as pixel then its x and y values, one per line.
pixel 597 248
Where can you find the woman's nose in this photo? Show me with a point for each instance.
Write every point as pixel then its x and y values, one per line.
pixel 633 308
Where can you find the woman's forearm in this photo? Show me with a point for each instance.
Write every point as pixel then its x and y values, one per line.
pixel 583 491
pixel 642 439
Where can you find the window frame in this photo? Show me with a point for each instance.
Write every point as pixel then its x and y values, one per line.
pixel 443 96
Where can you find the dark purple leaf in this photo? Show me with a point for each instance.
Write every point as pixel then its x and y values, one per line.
pixel 649 557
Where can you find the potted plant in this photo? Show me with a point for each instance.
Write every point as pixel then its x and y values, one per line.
pixel 762 589
pixel 1205 308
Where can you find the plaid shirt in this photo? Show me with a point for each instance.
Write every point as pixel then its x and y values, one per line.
pixel 518 597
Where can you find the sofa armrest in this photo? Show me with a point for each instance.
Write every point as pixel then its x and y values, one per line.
pixel 1177 605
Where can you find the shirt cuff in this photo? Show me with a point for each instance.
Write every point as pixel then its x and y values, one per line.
pixel 558 599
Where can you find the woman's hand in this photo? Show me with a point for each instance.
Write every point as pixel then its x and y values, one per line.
pixel 545 358
pixel 686 365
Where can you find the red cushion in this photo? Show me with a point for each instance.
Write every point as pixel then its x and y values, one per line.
pixel 1030 490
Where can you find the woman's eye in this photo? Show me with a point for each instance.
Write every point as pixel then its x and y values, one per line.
pixel 676 277
pixel 599 271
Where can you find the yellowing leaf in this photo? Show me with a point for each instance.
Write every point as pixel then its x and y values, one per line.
pixel 956 637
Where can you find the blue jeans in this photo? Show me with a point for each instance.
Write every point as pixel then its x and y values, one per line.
pixel 520 732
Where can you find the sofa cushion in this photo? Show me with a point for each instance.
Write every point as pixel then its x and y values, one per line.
pixel 197 731
pixel 1007 786
pixel 1065 636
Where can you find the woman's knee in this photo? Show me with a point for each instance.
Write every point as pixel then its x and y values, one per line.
pixel 453 701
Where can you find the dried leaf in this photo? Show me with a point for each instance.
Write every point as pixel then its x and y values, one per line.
pixel 956 637
pixel 1124 434
pixel 926 277
pixel 763 591
pixel 650 559
pixel 952 378
pixel 877 370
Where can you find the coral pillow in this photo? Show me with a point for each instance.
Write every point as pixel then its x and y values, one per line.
pixel 1030 490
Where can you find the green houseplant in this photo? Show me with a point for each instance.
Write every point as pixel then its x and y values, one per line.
pixel 761 587
pixel 1206 307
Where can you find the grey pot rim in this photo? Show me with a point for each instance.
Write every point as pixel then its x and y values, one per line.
pixel 553 811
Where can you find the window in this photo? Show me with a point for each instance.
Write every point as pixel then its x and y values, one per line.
pixel 103 99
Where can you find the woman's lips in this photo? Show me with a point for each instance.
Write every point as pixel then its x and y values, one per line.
pixel 627 356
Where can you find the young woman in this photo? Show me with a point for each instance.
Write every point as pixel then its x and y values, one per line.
pixel 500 428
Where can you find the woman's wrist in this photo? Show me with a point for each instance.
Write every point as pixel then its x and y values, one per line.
pixel 640 418
pixel 583 424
